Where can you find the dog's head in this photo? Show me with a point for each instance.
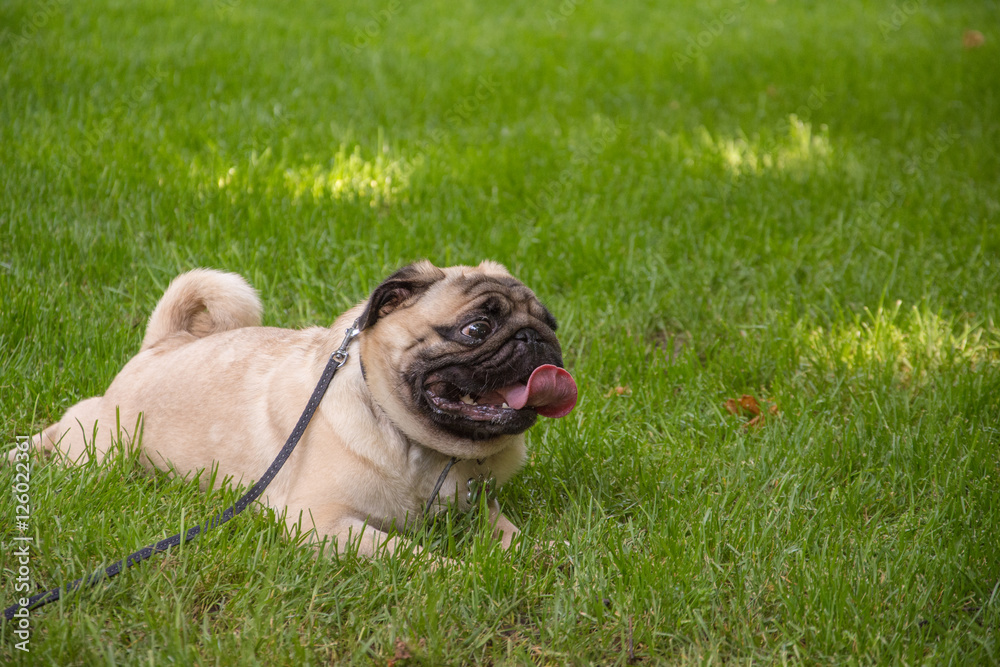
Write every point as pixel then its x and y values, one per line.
pixel 462 359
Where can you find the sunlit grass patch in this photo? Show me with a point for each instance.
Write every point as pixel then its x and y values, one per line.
pixel 348 176
pixel 795 149
pixel 910 346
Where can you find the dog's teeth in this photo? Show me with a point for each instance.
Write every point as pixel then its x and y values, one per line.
pixel 467 399
pixel 505 405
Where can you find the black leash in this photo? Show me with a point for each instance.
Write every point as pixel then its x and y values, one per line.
pixel 440 483
pixel 337 359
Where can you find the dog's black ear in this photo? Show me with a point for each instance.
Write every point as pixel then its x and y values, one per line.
pixel 410 281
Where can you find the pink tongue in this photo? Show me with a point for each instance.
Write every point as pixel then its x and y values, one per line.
pixel 551 391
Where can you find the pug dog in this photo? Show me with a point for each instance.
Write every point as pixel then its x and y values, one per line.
pixel 450 368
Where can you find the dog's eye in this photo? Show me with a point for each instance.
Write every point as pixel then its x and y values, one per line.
pixel 477 330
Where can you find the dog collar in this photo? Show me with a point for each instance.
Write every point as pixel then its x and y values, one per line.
pixel 476 486
pixel 479 486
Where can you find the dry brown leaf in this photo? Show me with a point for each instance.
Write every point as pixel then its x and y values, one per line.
pixel 973 39
pixel 402 653
pixel 750 404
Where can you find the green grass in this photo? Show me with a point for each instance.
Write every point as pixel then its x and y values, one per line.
pixel 795 201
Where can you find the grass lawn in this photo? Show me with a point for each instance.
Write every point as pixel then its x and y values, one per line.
pixel 794 202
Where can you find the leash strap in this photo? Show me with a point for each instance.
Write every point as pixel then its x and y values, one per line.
pixel 337 359
pixel 440 483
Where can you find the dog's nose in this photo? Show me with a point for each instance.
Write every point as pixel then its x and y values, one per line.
pixel 529 336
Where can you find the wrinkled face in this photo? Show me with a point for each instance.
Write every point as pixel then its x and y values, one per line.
pixel 450 354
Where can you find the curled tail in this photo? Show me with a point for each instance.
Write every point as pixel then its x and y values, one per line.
pixel 202 302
